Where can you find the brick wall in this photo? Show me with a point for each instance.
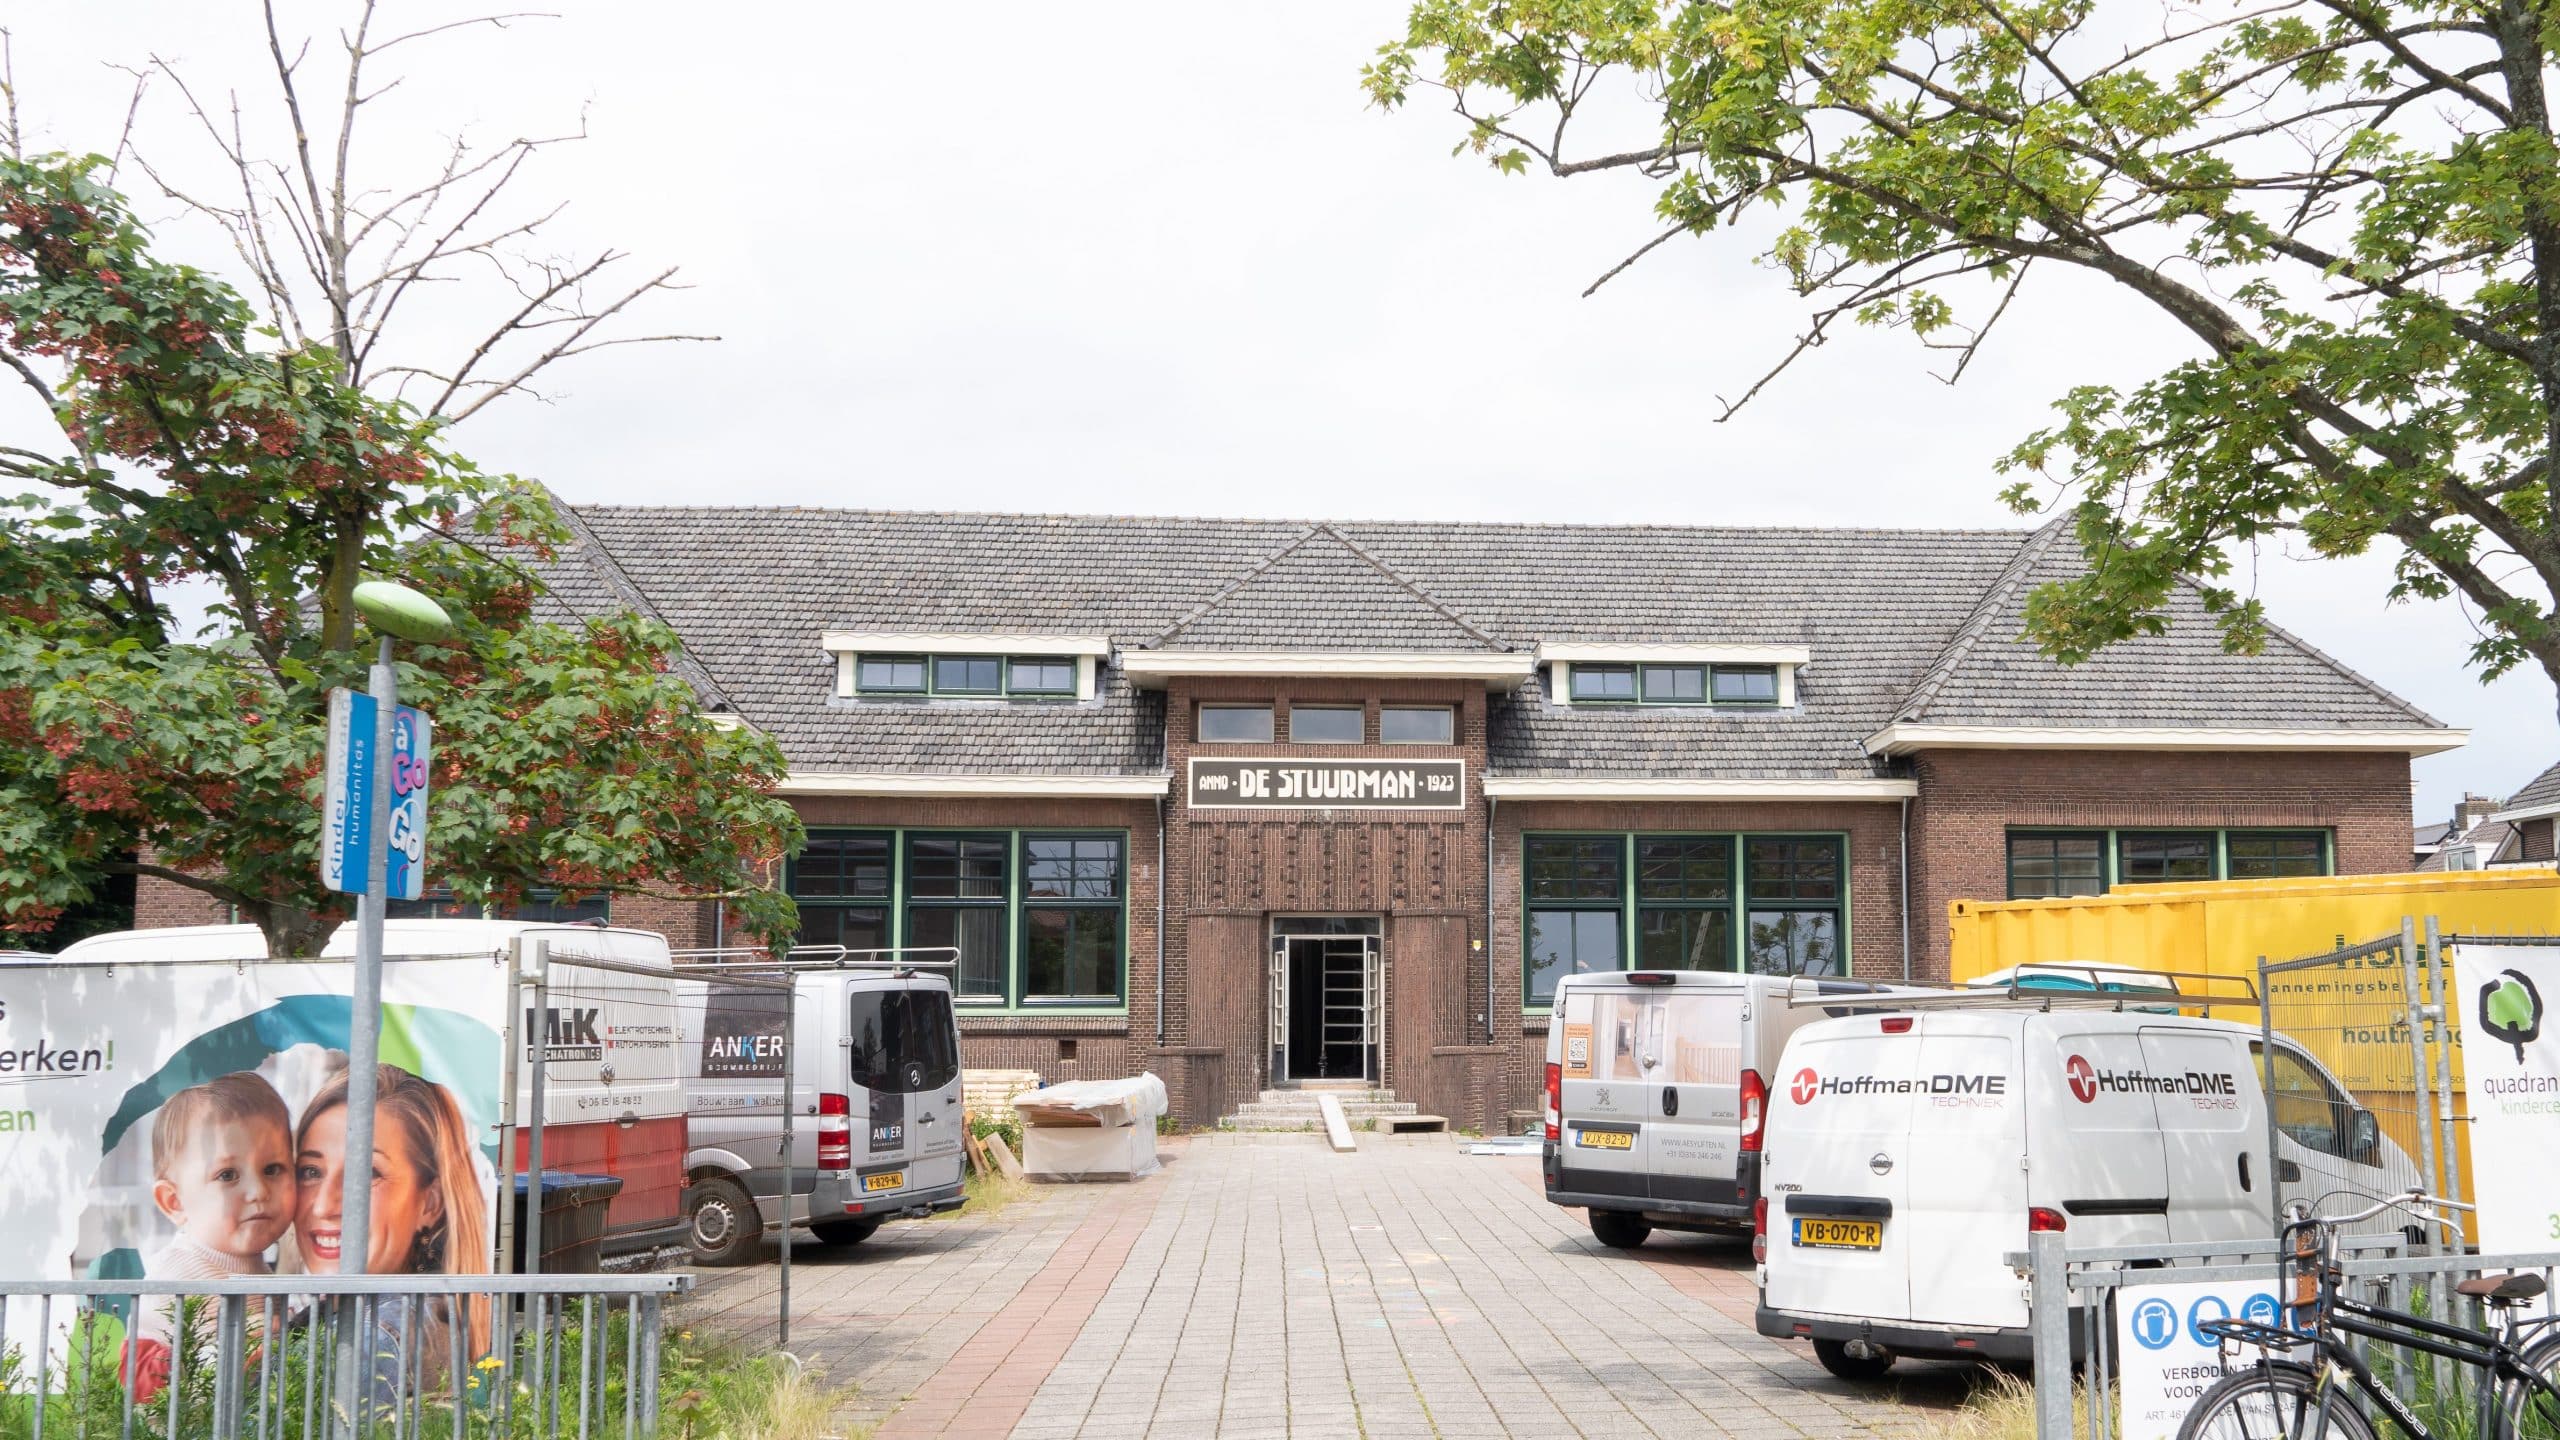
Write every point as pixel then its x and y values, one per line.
pixel 1970 798
pixel 1230 871
pixel 2533 839
pixel 1058 1047
pixel 159 904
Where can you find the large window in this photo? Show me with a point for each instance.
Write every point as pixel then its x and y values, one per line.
pixel 2048 863
pixel 1416 725
pixel 1326 724
pixel 1235 725
pixel 1774 904
pixel 1604 682
pixel 1038 918
pixel 1072 916
pixel 1793 923
pixel 1022 677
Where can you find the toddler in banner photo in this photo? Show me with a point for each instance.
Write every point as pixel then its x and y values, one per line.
pixel 222 1173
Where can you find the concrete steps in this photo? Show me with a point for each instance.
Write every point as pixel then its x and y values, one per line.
pixel 1301 1111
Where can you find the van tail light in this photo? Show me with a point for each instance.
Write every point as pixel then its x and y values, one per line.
pixel 1755 1109
pixel 1760 1231
pixel 1897 1024
pixel 1652 977
pixel 835 1132
pixel 2045 1220
pixel 1555 1102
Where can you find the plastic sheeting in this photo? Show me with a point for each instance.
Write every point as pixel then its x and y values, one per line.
pixel 1118 1143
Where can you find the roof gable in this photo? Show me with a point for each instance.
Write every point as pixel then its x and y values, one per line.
pixel 1322 592
pixel 1989 674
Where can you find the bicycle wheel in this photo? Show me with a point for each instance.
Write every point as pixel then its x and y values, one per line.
pixel 2527 1411
pixel 2272 1400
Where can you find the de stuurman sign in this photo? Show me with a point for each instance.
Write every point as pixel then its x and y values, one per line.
pixel 1329 784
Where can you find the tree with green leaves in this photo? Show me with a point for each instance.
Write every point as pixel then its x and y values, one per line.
pixel 195 451
pixel 2351 207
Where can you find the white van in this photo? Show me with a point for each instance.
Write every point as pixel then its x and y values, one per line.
pixel 874 1053
pixel 1656 1087
pixel 613 1099
pixel 1909 1154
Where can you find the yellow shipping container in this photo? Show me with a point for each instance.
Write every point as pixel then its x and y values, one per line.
pixel 2342 1014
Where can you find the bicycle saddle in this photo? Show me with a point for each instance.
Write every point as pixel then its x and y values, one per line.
pixel 2501 1289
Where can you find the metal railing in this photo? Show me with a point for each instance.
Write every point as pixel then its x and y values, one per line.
pixel 2081 1288
pixel 264 1357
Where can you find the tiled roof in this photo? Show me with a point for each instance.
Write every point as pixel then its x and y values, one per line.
pixel 2182 678
pixel 2543 789
pixel 1900 624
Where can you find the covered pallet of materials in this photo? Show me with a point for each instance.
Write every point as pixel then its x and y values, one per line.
pixel 1091 1129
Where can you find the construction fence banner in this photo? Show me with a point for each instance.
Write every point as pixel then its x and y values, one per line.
pixel 188 1120
pixel 2503 995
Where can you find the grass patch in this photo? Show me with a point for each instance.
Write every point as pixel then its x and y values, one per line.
pixel 2004 1408
pixel 989 1195
pixel 724 1391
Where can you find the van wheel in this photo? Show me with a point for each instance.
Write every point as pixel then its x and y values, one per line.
pixel 1835 1357
pixel 1618 1229
pixel 843 1232
pixel 726 1227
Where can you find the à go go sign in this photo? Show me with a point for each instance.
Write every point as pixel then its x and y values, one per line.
pixel 346 818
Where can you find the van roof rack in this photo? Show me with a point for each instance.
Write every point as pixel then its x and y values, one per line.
pixel 2100 987
pixel 821 957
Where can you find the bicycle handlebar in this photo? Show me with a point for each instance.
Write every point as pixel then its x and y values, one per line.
pixel 2411 1200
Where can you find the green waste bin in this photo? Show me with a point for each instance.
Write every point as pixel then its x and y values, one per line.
pixel 573 1209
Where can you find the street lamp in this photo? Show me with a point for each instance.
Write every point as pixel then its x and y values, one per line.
pixel 394 612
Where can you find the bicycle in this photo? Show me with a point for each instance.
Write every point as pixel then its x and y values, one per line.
pixel 2287 1397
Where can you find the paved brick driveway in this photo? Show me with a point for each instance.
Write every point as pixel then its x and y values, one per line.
pixel 1265 1287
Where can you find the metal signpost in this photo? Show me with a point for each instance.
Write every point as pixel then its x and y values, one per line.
pixel 377 750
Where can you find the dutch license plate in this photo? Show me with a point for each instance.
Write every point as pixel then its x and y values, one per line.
pixel 889 1181
pixel 1605 1139
pixel 1840 1234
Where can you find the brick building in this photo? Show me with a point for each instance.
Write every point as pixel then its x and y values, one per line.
pixel 1251 802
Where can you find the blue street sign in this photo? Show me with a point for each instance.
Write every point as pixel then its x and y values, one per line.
pixel 346 817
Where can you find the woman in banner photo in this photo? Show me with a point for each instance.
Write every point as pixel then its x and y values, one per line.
pixel 428 1215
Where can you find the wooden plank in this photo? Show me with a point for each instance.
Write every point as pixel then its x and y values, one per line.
pixel 1006 1164
pixel 1337 1128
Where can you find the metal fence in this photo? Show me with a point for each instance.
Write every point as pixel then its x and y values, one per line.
pixel 2081 1290
pixel 301 1357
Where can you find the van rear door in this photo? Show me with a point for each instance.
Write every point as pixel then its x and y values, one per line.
pixel 901 1054
pixel 2094 1150
pixel 1968 1193
pixel 1834 1172
pixel 1694 1066
pixel 2213 1136
pixel 1601 1142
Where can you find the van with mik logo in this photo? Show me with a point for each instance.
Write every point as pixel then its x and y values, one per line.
pixel 1908 1153
pixel 1657 1084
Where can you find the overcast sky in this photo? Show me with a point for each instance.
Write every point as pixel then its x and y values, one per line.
pixel 1163 259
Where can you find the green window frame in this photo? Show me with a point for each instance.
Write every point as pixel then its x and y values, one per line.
pixel 541 905
pixel 2167 857
pixel 1026 906
pixel 967 675
pixel 2158 855
pixel 1674 684
pixel 1040 675
pixel 1769 903
pixel 2046 864
pixel 1603 684
pixel 1745 685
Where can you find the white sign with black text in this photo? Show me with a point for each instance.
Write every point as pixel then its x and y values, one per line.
pixel 2164 1359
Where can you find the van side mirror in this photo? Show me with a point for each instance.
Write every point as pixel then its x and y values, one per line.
pixel 2364 1136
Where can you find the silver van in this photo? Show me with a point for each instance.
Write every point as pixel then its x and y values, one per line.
pixel 874 1056
pixel 1657 1086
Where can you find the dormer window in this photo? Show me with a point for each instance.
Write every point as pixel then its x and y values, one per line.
pixel 1736 676
pixel 967 666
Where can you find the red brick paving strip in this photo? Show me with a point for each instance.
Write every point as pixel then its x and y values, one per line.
pixel 988 1383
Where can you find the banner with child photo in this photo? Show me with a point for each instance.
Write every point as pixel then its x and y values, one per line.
pixel 187 1120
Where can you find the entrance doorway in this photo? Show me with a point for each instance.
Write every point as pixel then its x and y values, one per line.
pixel 1324 998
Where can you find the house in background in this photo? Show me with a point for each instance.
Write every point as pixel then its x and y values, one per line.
pixel 2486 833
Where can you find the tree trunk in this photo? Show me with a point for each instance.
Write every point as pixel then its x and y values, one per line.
pixel 292 933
